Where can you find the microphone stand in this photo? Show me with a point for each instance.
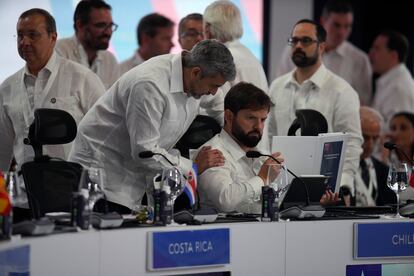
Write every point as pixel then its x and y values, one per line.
pixel 295 211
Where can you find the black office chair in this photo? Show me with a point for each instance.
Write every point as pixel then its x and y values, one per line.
pixel 310 122
pixel 50 182
pixel 202 129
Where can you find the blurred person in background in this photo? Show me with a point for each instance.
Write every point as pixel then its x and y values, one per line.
pixel 93 30
pixel 340 56
pixel 395 85
pixel 190 30
pixel 154 36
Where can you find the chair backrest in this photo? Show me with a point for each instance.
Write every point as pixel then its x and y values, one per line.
pixel 50 127
pixel 50 183
pixel 310 122
pixel 202 129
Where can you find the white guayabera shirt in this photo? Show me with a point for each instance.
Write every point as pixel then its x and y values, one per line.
pixel 331 96
pixel 146 109
pixel 61 84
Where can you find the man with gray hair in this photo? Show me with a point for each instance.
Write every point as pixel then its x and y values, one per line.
pixel 149 109
pixel 371 179
pixel 222 21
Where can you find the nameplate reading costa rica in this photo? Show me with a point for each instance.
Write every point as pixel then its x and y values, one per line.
pixel 384 240
pixel 189 248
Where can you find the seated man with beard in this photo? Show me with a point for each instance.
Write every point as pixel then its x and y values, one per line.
pixel 237 185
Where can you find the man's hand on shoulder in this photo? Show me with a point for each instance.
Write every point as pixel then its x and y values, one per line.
pixel 208 157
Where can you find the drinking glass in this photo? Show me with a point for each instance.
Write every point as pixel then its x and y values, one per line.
pixel 92 184
pixel 398 181
pixel 174 183
pixel 16 195
pixel 277 178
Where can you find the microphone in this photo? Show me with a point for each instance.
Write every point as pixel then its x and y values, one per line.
pixel 149 154
pixel 392 146
pixel 256 154
pixel 294 212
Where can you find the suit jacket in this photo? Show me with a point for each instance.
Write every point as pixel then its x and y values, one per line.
pixel 385 195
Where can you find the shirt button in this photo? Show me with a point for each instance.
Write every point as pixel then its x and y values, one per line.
pixel 53 100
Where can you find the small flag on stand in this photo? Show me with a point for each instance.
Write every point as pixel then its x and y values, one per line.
pixel 5 204
pixel 412 179
pixel 190 188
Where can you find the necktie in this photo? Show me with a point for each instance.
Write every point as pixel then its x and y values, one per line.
pixel 365 177
pixel 364 172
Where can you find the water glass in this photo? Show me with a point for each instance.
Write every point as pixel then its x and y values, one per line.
pixel 398 181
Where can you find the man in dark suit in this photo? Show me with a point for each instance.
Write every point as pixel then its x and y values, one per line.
pixel 371 180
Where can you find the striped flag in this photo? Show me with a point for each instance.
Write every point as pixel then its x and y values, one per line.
pixel 5 204
pixel 190 188
pixel 412 179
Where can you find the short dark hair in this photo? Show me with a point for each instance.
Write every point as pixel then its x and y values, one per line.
pixel 191 16
pixel 84 8
pixel 150 23
pixel 320 30
pixel 245 95
pixel 337 6
pixel 396 42
pixel 49 20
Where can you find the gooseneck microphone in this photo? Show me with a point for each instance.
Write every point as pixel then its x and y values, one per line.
pixel 256 154
pixel 391 146
pixel 149 154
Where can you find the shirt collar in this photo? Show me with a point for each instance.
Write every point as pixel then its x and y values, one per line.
pixel 50 66
pixel 390 75
pixel 84 56
pixel 137 58
pixel 232 43
pixel 340 50
pixel 317 79
pixel 177 74
pixel 231 146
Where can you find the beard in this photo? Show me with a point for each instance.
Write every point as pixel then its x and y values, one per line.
pixel 97 43
pixel 250 139
pixel 300 59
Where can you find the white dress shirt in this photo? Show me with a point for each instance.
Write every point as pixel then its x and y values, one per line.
pixel 104 65
pixel 346 61
pixel 394 92
pixel 130 63
pixel 248 69
pixel 234 186
pixel 331 96
pixel 61 84
pixel 146 109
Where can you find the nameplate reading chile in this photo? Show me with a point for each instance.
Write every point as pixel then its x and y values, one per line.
pixel 189 248
pixel 384 240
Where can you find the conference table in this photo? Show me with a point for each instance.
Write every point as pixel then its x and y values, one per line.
pixel 316 247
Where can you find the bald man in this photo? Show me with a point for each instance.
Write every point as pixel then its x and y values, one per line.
pixel 371 179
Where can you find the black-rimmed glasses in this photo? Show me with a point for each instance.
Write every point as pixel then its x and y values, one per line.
pixel 305 41
pixel 103 26
pixel 191 34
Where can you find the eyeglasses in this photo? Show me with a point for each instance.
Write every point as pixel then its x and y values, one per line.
pixel 305 41
pixel 103 26
pixel 32 35
pixel 191 34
